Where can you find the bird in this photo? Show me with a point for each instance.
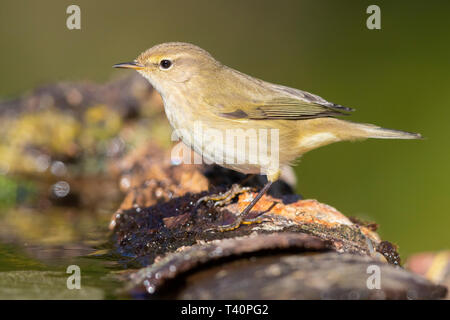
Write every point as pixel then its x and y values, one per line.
pixel 205 102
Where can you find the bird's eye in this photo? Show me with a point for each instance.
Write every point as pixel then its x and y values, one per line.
pixel 165 64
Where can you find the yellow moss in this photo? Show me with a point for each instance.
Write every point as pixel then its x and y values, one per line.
pixel 61 133
pixel 49 129
pixel 100 123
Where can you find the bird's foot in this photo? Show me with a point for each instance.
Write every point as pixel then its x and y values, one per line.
pixel 242 217
pixel 237 223
pixel 224 198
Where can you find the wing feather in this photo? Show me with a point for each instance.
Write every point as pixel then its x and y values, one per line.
pixel 240 96
pixel 284 109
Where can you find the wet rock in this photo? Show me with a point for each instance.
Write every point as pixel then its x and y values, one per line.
pixel 300 249
pixel 145 232
pixel 160 211
pixel 151 279
pixel 281 275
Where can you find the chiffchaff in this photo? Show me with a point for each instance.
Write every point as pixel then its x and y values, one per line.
pixel 205 101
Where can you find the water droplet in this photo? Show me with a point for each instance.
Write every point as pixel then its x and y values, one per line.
pixel 42 162
pixel 58 168
pixel 61 189
pixel 151 289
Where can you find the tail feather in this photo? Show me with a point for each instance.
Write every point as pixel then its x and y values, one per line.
pixel 372 131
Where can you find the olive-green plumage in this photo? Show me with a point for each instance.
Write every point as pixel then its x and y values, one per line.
pixel 197 88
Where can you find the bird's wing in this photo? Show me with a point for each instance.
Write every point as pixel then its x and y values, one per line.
pixel 287 104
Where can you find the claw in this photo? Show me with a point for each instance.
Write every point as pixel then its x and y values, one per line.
pixel 232 226
pixel 224 198
pixel 240 219
pixel 237 223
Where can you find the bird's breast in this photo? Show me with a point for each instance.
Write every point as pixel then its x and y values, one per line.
pixel 177 111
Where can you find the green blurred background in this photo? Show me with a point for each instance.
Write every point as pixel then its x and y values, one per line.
pixel 396 77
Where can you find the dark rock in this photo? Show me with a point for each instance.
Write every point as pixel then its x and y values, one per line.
pixel 302 249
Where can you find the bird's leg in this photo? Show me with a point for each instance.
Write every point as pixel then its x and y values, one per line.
pixel 225 197
pixel 240 219
pixel 247 179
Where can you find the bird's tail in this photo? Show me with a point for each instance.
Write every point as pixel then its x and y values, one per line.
pixel 372 131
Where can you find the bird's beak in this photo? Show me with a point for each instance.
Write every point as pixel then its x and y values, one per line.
pixel 129 65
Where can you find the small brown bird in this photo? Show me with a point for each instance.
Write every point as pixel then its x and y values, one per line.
pixel 211 106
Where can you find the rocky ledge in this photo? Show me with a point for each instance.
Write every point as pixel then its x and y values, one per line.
pixel 301 249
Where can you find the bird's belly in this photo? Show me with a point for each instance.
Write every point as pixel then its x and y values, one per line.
pixel 232 150
pixel 235 149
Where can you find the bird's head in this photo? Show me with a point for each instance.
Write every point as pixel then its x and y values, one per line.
pixel 171 64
